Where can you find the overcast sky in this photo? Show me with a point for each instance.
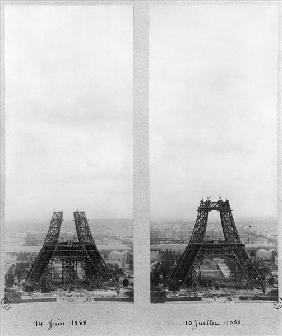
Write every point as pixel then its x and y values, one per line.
pixel 213 108
pixel 68 111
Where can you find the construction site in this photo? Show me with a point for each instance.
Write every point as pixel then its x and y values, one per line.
pixel 212 270
pixel 72 270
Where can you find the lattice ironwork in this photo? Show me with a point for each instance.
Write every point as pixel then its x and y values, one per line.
pixel 231 247
pixel 82 228
pixel 41 263
pixel 69 253
pixel 68 271
pixel 98 267
pixel 54 228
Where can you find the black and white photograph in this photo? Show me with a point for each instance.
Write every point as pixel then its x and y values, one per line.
pixel 140 167
pixel 68 167
pixel 213 151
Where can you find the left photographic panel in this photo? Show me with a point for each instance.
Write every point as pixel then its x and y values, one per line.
pixel 68 153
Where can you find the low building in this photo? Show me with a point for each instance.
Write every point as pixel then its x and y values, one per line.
pixel 264 254
pixel 121 258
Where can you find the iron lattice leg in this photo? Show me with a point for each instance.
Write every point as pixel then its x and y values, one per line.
pixel 252 276
pixel 99 271
pixel 47 251
pixel 185 263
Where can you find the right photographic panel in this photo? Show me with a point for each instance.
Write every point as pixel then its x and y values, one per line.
pixel 213 152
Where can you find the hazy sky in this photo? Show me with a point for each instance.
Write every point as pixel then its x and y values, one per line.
pixel 213 108
pixel 68 111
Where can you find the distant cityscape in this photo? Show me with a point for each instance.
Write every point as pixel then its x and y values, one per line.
pixel 181 230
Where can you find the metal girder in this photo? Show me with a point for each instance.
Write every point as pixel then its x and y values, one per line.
pixel 41 263
pixel 54 228
pixel 99 269
pixel 200 227
pixel 82 228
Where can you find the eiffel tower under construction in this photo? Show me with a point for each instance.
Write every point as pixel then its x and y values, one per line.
pixel 69 254
pixel 230 248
